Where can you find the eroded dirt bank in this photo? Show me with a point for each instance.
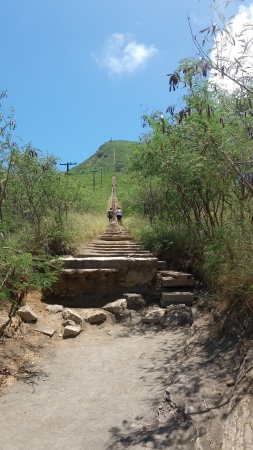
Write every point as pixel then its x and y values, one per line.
pixel 127 385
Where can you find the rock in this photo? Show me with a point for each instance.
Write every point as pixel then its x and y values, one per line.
pixel 44 328
pixel 230 382
pixel 177 315
pixel 71 331
pixel 117 307
pixel 134 318
pixel 14 323
pixel 69 322
pixel 54 308
pixel 134 301
pixel 94 316
pixel 154 316
pixel 27 314
pixel 69 314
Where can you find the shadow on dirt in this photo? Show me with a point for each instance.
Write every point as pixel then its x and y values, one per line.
pixel 196 398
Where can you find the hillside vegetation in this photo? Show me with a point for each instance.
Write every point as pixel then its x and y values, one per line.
pixel 111 157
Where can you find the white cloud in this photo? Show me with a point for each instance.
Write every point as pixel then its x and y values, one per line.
pixel 230 47
pixel 121 54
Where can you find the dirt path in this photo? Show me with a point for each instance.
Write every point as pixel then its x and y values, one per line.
pixel 93 393
pixel 130 385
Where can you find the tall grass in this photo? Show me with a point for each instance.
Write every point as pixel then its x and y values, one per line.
pixel 83 228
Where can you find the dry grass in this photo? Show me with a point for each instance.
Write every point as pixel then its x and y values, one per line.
pixel 85 227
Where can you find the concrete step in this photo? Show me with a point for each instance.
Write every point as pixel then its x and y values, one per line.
pixel 171 278
pixel 161 265
pixel 105 262
pixel 172 282
pixel 114 244
pixel 175 298
pixel 114 238
pixel 112 253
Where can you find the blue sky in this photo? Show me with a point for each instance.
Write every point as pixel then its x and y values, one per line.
pixel 82 72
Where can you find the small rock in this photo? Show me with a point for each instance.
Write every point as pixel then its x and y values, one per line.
pixel 54 308
pixel 27 314
pixel 231 382
pixel 15 321
pixel 68 322
pixel 177 315
pixel 93 316
pixel 71 331
pixel 117 307
pixel 44 328
pixel 134 301
pixel 69 314
pixel 154 316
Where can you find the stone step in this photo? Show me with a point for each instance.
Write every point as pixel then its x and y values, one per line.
pixel 114 232
pixel 105 262
pixel 175 298
pixel 114 244
pixel 173 282
pixel 113 247
pixel 93 280
pixel 161 265
pixel 88 271
pixel 171 278
pixel 112 254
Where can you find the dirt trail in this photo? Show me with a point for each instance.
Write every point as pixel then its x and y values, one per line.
pixel 131 385
pixel 93 393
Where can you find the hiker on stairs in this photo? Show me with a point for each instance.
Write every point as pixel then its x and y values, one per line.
pixel 119 214
pixel 110 215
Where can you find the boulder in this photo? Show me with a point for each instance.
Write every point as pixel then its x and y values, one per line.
pixel 153 316
pixel 70 314
pixel 54 308
pixel 117 307
pixel 177 315
pixel 134 301
pixel 94 316
pixel 71 331
pixel 27 314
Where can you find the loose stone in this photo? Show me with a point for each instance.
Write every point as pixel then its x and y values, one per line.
pixel 27 314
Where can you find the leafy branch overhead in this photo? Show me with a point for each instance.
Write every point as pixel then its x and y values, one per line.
pixel 222 53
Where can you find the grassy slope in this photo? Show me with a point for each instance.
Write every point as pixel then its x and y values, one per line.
pixel 103 159
pixel 95 175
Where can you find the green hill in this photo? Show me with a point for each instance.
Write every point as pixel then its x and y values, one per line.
pixel 111 157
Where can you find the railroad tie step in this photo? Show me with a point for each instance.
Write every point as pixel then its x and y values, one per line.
pixel 175 298
pixel 171 279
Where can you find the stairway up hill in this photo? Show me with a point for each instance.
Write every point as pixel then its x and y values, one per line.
pixel 104 270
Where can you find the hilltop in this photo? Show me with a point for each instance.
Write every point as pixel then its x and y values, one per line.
pixel 104 160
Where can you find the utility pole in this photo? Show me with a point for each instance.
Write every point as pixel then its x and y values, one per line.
pixel 101 176
pixel 94 179
pixel 68 164
pixel 114 159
